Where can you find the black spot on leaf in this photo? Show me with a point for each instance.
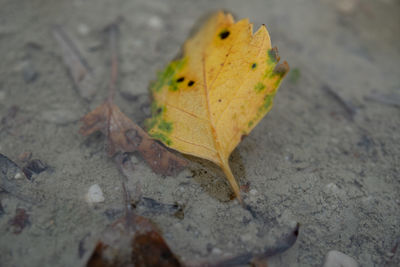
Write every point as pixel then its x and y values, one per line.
pixel 181 79
pixel 224 34
pixel 190 83
pixel 254 65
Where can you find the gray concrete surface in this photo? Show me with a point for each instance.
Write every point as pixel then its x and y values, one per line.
pixel 309 160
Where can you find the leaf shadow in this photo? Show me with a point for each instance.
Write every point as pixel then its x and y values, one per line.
pixel 212 179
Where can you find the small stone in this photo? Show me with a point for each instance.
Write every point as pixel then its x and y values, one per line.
pixel 155 22
pixel 29 73
pixel 348 129
pixel 83 29
pixel 216 251
pixel 332 188
pixel 336 258
pixel 347 6
pixel 94 194
pixel 245 238
pixel 253 192
pixel 178 225
pixel 18 175
pixel 335 140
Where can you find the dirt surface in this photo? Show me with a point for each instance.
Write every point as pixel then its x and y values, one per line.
pixel 326 156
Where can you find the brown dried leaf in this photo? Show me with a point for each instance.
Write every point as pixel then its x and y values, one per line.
pixel 126 136
pixel 132 241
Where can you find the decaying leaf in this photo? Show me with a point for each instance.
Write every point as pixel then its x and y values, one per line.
pixel 19 221
pixel 126 136
pixel 217 92
pixel 132 241
pixel 13 181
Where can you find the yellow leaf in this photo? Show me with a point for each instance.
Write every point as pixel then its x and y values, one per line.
pixel 217 92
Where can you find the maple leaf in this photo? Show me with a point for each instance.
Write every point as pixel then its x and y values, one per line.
pixel 217 92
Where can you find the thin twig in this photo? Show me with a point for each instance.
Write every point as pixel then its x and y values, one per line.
pixel 345 104
pixel 349 108
pixel 78 67
pixel 112 31
pixel 62 37
pixel 391 100
pixel 113 36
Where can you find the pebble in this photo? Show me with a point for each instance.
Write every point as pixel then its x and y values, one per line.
pixel 94 194
pixel 336 258
pixel 155 22
pixel 18 175
pixel 178 225
pixel 83 29
pixel 347 6
pixel 246 238
pixel 332 188
pixel 216 251
pixel 29 73
pixel 253 192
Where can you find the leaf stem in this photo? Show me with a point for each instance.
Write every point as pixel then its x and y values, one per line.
pixel 227 170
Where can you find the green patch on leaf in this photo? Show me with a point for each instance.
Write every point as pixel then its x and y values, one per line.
pixel 263 109
pixel 165 126
pixel 162 137
pixel 272 55
pixel 278 82
pixel 267 103
pixel 167 77
pixel 269 72
pixel 173 86
pixel 259 87
pixel 156 112
pixel 150 123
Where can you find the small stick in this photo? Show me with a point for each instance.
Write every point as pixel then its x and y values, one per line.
pixel 349 108
pixel 112 31
pixel 346 105
pixel 391 100
pixel 113 36
pixel 78 67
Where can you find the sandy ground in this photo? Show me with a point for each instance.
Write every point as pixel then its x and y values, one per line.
pixel 311 160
